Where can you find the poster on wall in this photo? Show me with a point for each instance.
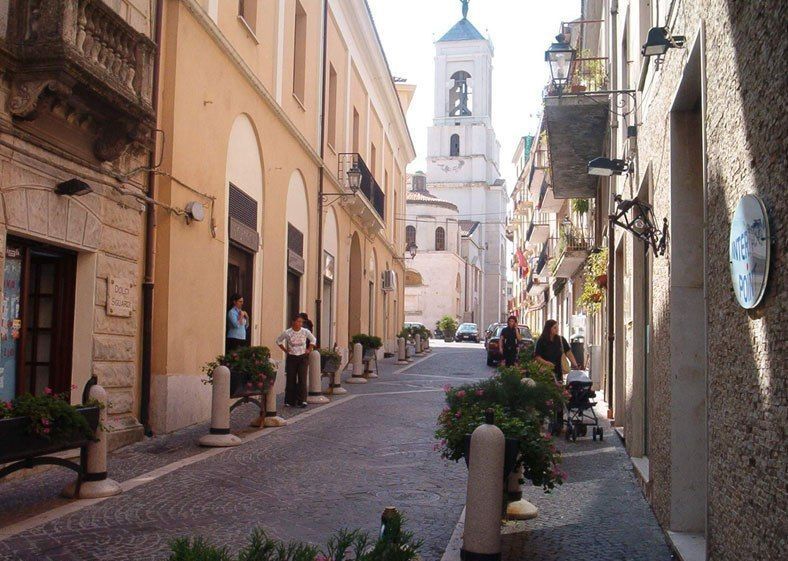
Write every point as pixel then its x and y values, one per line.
pixel 11 327
pixel 749 251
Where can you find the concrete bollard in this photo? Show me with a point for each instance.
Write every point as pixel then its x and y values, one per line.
pixel 335 387
pixel 426 345
pixel 409 352
pixel 419 349
pixel 220 411
pixel 482 535
pixel 401 352
pixel 358 366
pixel 518 508
pixel 368 372
pixel 272 418
pixel 95 483
pixel 315 382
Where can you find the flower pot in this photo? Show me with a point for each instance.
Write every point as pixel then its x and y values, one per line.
pixel 448 336
pixel 368 355
pixel 510 453
pixel 329 364
pixel 239 387
pixel 18 443
pixel 601 281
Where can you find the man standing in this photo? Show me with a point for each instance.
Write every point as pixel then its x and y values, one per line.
pixel 297 342
pixel 509 341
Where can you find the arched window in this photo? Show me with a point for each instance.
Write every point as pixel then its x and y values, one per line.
pixel 460 95
pixel 440 239
pixel 454 145
pixel 410 235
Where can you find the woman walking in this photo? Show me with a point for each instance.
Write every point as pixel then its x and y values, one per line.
pixel 297 342
pixel 550 350
pixel 237 323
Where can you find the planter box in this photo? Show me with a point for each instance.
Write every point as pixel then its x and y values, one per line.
pixel 329 365
pixel 511 450
pixel 238 387
pixel 448 336
pixel 369 354
pixel 19 444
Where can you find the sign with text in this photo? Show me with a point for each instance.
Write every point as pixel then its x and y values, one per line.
pixel 749 251
pixel 119 297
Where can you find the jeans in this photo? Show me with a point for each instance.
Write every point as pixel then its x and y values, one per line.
pixel 297 370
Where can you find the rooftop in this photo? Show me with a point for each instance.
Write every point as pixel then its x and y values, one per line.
pixel 463 30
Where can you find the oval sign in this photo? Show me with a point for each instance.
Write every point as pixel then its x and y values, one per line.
pixel 749 251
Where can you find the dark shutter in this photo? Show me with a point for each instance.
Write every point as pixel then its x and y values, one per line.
pixel 295 249
pixel 243 207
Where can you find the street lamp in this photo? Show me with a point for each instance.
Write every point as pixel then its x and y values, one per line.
pixel 354 178
pixel 560 55
pixel 606 167
pixel 412 249
pixel 637 217
pixel 659 40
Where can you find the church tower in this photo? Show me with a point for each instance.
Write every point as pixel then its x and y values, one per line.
pixel 463 152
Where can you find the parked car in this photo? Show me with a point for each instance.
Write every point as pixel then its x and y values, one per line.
pixel 410 324
pixel 467 332
pixel 491 330
pixel 494 355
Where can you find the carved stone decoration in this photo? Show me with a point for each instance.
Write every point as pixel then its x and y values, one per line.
pixel 25 94
pixel 112 141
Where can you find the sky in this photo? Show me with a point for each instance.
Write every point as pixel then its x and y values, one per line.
pixel 521 31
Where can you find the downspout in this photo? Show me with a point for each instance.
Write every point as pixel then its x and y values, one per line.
pixel 611 236
pixel 150 231
pixel 321 151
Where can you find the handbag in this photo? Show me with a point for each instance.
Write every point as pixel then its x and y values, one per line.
pixel 566 364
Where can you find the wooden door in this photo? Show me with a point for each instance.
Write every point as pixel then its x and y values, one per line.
pixel 240 280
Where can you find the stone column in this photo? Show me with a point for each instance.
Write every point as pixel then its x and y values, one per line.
pixel 315 384
pixel 95 483
pixel 358 366
pixel 401 352
pixel 219 434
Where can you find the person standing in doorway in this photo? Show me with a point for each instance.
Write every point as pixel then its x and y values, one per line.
pixel 237 323
pixel 297 342
pixel 550 350
pixel 509 341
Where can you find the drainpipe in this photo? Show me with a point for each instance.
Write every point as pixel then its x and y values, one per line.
pixel 611 236
pixel 150 231
pixel 321 151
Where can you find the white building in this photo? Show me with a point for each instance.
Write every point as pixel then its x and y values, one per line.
pixel 462 154
pixel 439 280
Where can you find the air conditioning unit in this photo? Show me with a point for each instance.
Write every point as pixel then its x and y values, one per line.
pixel 389 279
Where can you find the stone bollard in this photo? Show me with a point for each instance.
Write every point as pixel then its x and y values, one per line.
pixel 409 352
pixel 426 345
pixel 518 508
pixel 358 366
pixel 335 387
pixel 482 535
pixel 401 351
pixel 368 372
pixel 95 483
pixel 419 350
pixel 219 434
pixel 272 418
pixel 315 382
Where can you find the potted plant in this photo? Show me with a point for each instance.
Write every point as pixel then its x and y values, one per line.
pixel 448 326
pixel 370 344
pixel 251 371
pixel 595 281
pixel 36 425
pixel 329 360
pixel 580 206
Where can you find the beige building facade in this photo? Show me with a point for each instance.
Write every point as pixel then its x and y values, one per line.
pixel 242 96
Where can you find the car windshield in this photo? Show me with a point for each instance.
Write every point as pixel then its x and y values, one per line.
pixel 467 327
pixel 525 333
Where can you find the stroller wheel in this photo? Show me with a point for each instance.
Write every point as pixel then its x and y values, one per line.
pixel 593 434
pixel 600 434
pixel 569 430
pixel 583 429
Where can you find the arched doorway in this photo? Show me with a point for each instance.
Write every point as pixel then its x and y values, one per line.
pixel 354 294
pixel 330 253
pixel 297 244
pixel 372 300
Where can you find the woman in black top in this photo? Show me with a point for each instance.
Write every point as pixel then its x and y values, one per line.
pixel 551 347
pixel 508 343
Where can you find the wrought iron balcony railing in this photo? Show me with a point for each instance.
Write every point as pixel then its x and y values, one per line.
pixel 369 186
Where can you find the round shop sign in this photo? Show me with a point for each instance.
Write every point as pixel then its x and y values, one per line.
pixel 749 251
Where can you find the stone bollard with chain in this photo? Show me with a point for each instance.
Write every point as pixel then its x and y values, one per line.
pixel 482 535
pixel 358 366
pixel 315 382
pixel 335 387
pixel 95 483
pixel 401 351
pixel 272 418
pixel 219 434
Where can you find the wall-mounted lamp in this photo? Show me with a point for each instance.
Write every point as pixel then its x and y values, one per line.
pixel 73 187
pixel 411 249
pixel 560 57
pixel 659 40
pixel 637 217
pixel 354 178
pixel 606 167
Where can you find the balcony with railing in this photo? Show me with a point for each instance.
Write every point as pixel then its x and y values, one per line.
pixel 88 63
pixel 370 207
pixel 574 246
pixel 576 119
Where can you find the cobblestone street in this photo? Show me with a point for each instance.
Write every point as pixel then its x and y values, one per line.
pixel 334 466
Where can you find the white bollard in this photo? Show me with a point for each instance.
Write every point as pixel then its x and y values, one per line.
pixel 518 508
pixel 401 353
pixel 315 382
pixel 272 418
pixel 95 483
pixel 358 366
pixel 419 350
pixel 220 411
pixel 409 352
pixel 368 372
pixel 482 535
pixel 335 387
pixel 426 345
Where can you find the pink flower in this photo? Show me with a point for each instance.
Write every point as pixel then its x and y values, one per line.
pixel 461 393
pixel 548 437
pixel 446 409
pixel 45 421
pixel 457 415
pixel 73 386
pixel 260 384
pixel 45 431
pixel 48 391
pixel 436 447
pixel 248 384
pixel 479 393
pixel 322 557
pixel 447 388
pixel 549 403
pixel 443 442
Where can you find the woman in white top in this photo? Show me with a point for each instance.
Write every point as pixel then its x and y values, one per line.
pixel 297 342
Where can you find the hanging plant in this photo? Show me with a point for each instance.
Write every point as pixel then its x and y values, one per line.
pixel 595 281
pixel 580 206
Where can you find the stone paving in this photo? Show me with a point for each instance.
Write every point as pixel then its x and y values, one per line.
pixel 336 467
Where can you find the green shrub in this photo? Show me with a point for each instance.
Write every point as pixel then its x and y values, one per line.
pixel 329 354
pixel 252 362
pixel 51 416
pixel 367 341
pixel 447 324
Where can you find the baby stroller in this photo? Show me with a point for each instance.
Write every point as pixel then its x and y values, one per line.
pixel 580 412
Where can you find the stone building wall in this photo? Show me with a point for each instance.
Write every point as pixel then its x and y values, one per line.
pixel 745 131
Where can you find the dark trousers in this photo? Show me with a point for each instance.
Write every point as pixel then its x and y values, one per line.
pixel 297 370
pixel 510 357
pixel 232 344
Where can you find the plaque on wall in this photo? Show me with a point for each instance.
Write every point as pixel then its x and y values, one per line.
pixel 749 251
pixel 119 297
pixel 295 262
